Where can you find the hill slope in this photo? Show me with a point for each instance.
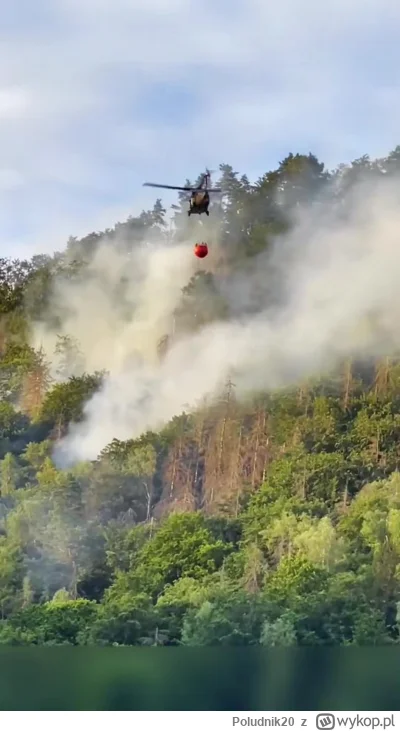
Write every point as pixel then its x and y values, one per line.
pixel 208 456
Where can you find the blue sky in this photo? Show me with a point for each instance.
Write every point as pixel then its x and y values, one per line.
pixel 97 96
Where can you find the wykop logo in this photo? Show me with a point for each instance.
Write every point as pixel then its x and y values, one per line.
pixel 325 721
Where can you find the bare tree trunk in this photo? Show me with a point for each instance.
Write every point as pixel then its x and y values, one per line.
pixel 176 454
pixel 235 476
pixel 151 527
pixel 255 456
pixel 149 497
pixel 382 377
pixel 348 378
pixel 74 580
pixel 266 461
pixel 345 496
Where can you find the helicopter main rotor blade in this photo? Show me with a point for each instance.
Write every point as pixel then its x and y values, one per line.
pixel 169 187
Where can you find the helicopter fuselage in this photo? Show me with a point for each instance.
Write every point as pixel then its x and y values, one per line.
pixel 199 202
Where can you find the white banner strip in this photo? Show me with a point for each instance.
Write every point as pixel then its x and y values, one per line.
pixel 210 720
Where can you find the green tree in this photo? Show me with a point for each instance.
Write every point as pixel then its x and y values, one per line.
pixel 64 403
pixel 183 545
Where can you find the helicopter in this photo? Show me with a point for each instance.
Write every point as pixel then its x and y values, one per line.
pixel 199 200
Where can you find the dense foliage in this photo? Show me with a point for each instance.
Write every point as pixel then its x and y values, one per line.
pixel 272 522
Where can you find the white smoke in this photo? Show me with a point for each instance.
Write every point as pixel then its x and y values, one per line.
pixel 113 321
pixel 342 298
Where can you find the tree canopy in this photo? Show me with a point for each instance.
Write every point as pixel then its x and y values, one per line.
pixel 272 522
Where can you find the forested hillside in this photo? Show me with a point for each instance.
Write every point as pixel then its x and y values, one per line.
pixel 267 520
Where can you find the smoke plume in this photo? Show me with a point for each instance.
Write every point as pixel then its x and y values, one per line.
pixel 338 276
